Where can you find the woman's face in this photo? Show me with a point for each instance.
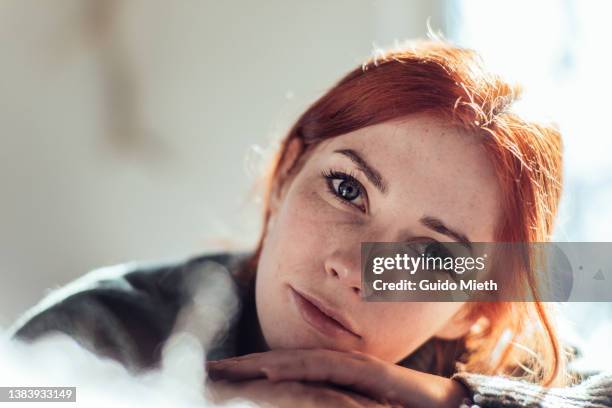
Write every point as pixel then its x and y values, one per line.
pixel 312 249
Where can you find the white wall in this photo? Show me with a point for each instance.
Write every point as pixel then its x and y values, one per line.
pixel 125 138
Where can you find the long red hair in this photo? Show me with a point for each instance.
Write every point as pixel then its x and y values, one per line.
pixel 451 82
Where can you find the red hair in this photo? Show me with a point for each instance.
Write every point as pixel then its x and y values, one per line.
pixel 451 82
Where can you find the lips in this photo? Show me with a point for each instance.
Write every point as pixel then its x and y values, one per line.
pixel 322 317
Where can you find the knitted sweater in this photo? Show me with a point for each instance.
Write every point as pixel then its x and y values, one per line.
pixel 127 312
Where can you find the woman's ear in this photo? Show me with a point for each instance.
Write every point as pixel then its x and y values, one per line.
pixel 286 171
pixel 459 325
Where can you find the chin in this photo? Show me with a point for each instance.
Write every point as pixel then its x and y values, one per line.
pixel 297 340
pixel 311 341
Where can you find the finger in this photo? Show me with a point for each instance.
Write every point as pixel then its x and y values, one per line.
pixel 263 356
pixel 248 366
pixel 354 370
pixel 220 373
pixel 248 356
pixel 365 401
pixel 277 364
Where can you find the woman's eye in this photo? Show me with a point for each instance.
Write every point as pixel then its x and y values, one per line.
pixel 436 250
pixel 437 257
pixel 346 188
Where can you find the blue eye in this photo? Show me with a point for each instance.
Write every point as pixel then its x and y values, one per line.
pixel 346 188
pixel 436 250
pixel 437 256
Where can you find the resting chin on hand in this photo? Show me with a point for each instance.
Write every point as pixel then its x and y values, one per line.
pixel 289 394
pixel 321 377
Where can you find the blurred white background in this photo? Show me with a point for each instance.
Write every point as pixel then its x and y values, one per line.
pixel 134 129
pixel 126 127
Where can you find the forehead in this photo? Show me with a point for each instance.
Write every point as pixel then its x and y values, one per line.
pixel 431 168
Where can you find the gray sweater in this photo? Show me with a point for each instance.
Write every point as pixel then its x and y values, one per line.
pixel 128 311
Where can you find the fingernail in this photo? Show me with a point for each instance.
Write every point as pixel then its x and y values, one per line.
pixel 219 367
pixel 268 372
pixel 219 363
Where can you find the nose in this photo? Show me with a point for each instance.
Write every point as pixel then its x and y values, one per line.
pixel 345 266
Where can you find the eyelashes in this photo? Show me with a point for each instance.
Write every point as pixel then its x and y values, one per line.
pixel 348 190
pixel 345 188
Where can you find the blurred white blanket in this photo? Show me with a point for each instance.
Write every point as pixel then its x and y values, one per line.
pixel 59 361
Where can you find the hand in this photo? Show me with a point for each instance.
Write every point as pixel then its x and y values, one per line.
pixel 378 379
pixel 288 394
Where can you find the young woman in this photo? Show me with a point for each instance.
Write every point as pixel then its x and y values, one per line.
pixel 419 144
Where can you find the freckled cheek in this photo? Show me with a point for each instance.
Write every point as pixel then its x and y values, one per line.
pixel 308 217
pixel 299 237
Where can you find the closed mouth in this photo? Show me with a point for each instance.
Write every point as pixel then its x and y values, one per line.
pixel 334 317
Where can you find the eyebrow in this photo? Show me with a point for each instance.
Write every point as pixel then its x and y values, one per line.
pixel 438 226
pixel 371 173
